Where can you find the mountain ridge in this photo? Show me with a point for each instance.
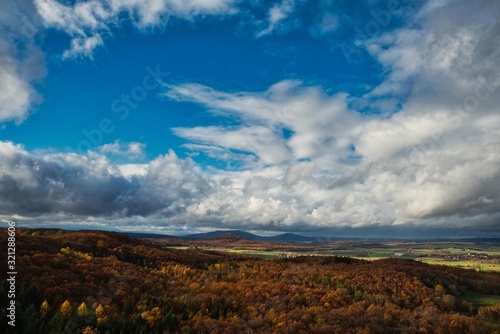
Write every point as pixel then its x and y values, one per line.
pixel 284 237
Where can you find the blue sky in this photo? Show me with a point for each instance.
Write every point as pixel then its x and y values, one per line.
pixel 270 116
pixel 79 92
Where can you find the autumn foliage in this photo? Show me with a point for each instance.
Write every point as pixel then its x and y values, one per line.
pixel 104 282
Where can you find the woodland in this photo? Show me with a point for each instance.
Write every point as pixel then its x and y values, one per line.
pixel 105 282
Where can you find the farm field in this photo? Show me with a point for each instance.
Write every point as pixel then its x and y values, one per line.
pixel 470 255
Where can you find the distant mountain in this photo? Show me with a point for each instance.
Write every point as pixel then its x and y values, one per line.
pixel 290 237
pixel 215 234
pixel 285 237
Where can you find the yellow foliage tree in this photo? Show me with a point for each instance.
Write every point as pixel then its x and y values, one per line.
pixel 44 308
pixel 102 321
pixel 65 251
pixel 83 310
pixel 151 316
pixel 99 312
pixel 90 330
pixel 65 309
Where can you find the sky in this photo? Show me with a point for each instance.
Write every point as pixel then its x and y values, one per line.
pixel 336 118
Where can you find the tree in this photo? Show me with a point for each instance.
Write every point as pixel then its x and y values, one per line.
pixel 100 314
pixel 65 309
pixel 99 311
pixel 90 330
pixel 44 308
pixel 83 310
pixel 151 316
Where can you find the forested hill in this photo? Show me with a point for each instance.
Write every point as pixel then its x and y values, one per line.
pixel 285 237
pixel 106 282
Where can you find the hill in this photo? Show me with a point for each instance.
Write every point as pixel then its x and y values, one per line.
pixel 285 237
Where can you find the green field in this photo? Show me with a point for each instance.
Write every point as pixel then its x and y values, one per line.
pixel 478 299
pixel 429 252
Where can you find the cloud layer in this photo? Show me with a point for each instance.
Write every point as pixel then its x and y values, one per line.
pixel 75 186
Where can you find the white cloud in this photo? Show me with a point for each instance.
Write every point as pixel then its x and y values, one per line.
pixel 266 143
pixel 21 61
pixel 88 21
pixel 277 14
pixel 131 170
pixel 15 95
pixel 83 46
pixel 433 163
pixel 317 121
pixel 448 178
pixel 415 166
pixel 130 150
pixel 445 52
pixel 328 24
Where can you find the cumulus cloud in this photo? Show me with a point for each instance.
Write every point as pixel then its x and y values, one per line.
pixel 71 185
pixel 431 163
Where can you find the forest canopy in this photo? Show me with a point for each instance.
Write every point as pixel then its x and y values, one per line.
pixel 105 282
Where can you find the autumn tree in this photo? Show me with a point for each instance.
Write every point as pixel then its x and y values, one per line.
pixel 65 309
pixel 89 330
pixel 100 314
pixel 44 308
pixel 82 310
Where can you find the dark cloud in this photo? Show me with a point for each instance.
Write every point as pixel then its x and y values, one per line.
pixel 73 185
